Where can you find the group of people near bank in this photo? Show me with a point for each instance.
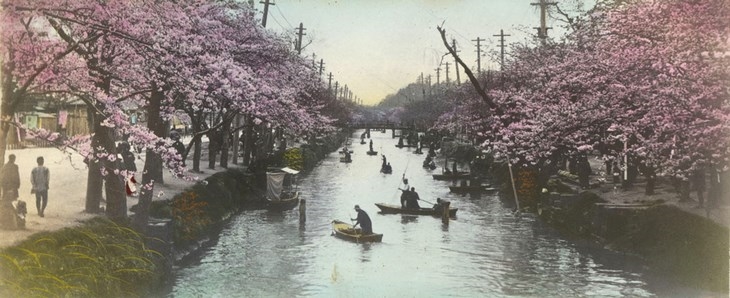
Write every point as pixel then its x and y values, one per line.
pixel 40 177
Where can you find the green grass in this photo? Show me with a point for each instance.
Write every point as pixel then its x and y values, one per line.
pixel 98 259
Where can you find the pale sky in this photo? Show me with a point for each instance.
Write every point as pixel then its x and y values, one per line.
pixel 379 46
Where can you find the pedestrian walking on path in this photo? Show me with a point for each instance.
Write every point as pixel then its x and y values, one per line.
pixel 40 176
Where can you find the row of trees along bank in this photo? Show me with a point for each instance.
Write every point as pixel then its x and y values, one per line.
pixel 209 64
pixel 642 83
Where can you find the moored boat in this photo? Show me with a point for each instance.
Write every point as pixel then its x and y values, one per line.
pixel 393 209
pixel 452 176
pixel 281 192
pixel 466 188
pixel 372 152
pixel 346 231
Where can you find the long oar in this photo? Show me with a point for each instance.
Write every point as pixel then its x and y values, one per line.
pixel 426 201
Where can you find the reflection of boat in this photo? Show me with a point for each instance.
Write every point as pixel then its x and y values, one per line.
pixel 392 209
pixel 452 176
pixel 372 152
pixel 346 231
pixel 281 193
pixel 345 159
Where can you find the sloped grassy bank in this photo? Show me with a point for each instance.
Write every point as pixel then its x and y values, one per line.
pixel 101 258
pixel 98 259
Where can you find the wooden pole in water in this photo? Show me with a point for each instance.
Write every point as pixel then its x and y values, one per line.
pixel 514 189
pixel 302 211
pixel 445 214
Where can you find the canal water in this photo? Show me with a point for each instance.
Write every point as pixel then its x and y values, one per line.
pixel 486 251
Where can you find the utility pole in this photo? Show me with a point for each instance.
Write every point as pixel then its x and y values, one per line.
pixel 447 72
pixel 329 78
pixel 501 45
pixel 337 84
pixel 479 54
pixel 542 30
pixel 300 33
pixel 321 66
pixel 266 4
pixel 453 45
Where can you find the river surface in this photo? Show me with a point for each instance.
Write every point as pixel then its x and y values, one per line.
pixel 486 251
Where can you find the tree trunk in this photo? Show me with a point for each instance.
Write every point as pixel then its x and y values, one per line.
pixel 197 146
pixel 236 139
pixel 94 181
pixel 153 164
pixel 116 196
pixel 156 125
pixel 225 133
pixel 248 142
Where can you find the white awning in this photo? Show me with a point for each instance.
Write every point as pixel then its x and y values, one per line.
pixel 289 170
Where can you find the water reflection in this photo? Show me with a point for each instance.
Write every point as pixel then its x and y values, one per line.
pixel 486 252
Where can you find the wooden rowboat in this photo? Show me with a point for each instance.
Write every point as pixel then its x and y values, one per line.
pixel 467 189
pixel 372 152
pixel 452 176
pixel 284 204
pixel 345 231
pixel 393 209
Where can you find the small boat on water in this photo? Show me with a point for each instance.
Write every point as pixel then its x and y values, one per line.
pixel 394 209
pixel 467 188
pixel 281 189
pixel 372 152
pixel 405 146
pixel 345 231
pixel 452 176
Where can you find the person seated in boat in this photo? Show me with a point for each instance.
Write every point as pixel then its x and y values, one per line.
pixel 387 169
pixel 439 206
pixel 412 199
pixel 348 157
pixel 363 220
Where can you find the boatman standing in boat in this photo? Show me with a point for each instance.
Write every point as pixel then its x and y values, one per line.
pixel 363 220
pixel 406 192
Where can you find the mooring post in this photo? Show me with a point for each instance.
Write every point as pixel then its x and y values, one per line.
pixel 445 214
pixel 302 211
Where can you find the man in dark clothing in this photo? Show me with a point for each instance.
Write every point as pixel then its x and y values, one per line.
pixel 371 145
pixel 363 220
pixel 439 206
pixel 412 199
pixel 10 179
